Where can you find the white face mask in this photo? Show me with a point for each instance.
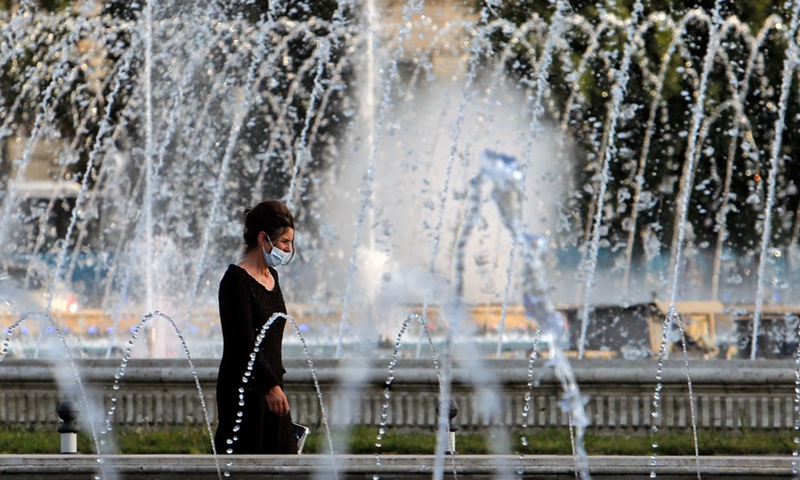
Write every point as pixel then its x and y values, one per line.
pixel 276 257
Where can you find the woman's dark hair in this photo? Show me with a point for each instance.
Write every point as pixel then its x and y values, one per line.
pixel 272 217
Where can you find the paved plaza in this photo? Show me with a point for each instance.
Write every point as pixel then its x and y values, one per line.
pixel 396 467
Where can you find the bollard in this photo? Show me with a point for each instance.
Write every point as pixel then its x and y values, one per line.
pixel 451 426
pixel 68 412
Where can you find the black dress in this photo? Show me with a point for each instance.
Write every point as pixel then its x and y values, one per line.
pixel 245 305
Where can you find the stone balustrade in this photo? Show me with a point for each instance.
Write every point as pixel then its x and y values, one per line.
pixel 732 394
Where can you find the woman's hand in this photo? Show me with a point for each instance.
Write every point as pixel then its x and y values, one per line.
pixel 276 401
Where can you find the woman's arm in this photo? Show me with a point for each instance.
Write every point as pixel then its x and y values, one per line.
pixel 277 401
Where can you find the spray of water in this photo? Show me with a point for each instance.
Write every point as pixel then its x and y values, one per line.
pixel 246 379
pixel 503 173
pixel 789 64
pixel 387 393
pixel 51 326
pixel 124 363
pixel 622 76
pixel 366 204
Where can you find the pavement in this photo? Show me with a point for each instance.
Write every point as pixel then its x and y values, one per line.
pixel 388 467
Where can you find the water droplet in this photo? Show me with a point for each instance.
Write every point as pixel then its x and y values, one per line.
pixel 227 474
pixel 229 464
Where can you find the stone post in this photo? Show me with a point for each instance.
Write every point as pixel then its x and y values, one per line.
pixel 68 412
pixel 452 427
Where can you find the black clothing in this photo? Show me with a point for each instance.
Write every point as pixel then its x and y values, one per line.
pixel 245 306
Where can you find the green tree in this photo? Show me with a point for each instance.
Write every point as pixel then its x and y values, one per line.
pixel 738 118
pixel 83 77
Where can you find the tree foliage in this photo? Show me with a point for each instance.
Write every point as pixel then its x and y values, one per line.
pixel 673 106
pixel 183 111
pixel 75 73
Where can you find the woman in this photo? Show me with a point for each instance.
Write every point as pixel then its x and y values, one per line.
pixel 249 294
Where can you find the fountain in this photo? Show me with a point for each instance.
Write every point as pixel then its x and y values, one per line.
pixel 653 159
pixel 128 175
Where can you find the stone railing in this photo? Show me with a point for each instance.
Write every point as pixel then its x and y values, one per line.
pixel 733 394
